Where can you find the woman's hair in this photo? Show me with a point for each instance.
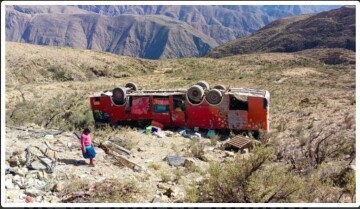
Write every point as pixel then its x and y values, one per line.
pixel 86 130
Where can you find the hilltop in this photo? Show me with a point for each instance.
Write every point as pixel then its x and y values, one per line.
pixel 331 29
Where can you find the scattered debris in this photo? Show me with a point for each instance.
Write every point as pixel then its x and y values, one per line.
pixel 121 149
pixel 241 143
pixel 210 133
pixel 175 160
pixel 119 158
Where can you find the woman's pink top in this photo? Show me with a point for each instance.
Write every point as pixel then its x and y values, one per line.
pixel 85 141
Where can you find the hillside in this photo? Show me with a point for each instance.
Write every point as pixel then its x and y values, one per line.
pixel 332 29
pixel 152 37
pixel 308 156
pixel 194 29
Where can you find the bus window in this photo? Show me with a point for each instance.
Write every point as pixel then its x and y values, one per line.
pixel 161 104
pixel 238 103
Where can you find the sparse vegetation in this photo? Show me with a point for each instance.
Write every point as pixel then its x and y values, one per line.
pixel 110 191
pixel 307 157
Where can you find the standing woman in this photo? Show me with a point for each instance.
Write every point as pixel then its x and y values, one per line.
pixel 87 146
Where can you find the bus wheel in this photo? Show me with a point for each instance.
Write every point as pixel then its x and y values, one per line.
pixel 203 84
pixel 220 87
pixel 195 93
pixel 214 96
pixel 119 94
pixel 131 86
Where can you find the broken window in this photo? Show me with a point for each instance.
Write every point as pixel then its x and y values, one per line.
pixel 238 103
pixel 179 102
pixel 161 104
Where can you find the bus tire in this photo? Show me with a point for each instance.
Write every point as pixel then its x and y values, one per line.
pixel 203 84
pixel 195 93
pixel 132 86
pixel 220 87
pixel 119 95
pixel 214 96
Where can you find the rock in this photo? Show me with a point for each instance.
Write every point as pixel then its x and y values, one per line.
pixel 173 192
pixel 164 199
pixel 38 165
pixel 53 199
pixel 34 192
pixel 39 184
pixel 42 175
pixel 9 184
pixel 189 163
pixel 229 154
pixel 353 167
pixel 175 160
pixel 163 186
pixel 13 162
pixel 156 199
pixel 29 199
pixel 207 158
pixel 139 149
pixel 49 137
pixel 199 180
pixel 21 171
pixel 38 198
pixel 30 182
pixel 59 187
pixel 19 181
pixel 12 194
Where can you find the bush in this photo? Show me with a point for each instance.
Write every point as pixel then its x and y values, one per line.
pixel 250 180
pixel 109 190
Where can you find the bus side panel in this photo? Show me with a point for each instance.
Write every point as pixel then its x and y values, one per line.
pixel 207 116
pixel 257 115
pixel 237 119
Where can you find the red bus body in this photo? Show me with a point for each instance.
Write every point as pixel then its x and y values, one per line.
pixel 251 113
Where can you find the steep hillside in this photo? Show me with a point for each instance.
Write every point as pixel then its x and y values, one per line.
pixel 138 36
pixel 332 29
pixel 79 26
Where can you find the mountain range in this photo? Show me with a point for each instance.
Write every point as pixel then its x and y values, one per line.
pixel 331 29
pixel 148 31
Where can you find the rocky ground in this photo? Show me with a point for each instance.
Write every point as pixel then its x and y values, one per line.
pixel 157 181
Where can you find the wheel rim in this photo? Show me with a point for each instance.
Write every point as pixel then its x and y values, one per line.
pixel 195 93
pixel 203 84
pixel 220 87
pixel 214 96
pixel 132 86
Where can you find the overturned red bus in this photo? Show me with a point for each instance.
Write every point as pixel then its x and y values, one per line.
pixel 241 109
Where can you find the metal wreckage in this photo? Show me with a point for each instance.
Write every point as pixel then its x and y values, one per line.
pixel 217 108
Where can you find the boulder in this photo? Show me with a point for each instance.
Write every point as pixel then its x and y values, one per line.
pixel 39 165
pixel 59 187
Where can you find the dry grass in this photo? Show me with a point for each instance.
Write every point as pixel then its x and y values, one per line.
pixel 312 94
